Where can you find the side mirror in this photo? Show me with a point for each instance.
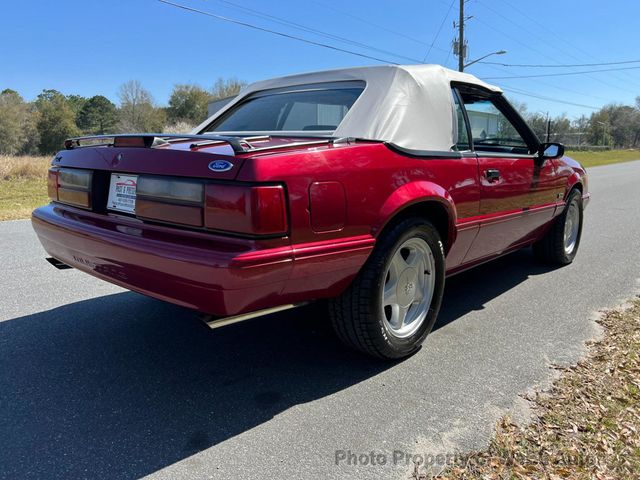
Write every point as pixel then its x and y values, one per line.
pixel 550 150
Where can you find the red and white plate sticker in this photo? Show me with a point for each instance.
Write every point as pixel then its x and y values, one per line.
pixel 122 193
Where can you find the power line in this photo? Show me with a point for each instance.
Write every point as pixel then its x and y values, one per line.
pixel 541 25
pixel 573 47
pixel 535 50
pixel 569 65
pixel 331 47
pixel 532 94
pixel 544 40
pixel 564 73
pixel 549 99
pixel 298 26
pixel 446 15
pixel 526 93
pixel 514 39
pixel 376 25
pixel 563 88
pixel 274 32
pixel 529 47
pixel 523 28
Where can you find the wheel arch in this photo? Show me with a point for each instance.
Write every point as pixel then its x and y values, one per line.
pixel 576 186
pixel 424 199
pixel 574 181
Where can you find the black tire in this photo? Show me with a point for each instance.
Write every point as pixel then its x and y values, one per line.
pixel 357 315
pixel 551 248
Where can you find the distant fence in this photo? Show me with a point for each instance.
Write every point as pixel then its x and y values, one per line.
pixel 588 148
pixel 576 142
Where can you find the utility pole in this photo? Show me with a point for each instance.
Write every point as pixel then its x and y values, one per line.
pixel 548 127
pixel 459 44
pixel 461 47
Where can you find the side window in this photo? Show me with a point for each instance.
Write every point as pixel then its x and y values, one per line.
pixel 462 142
pixel 490 128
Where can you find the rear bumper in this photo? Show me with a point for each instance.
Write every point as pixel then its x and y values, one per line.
pixel 205 272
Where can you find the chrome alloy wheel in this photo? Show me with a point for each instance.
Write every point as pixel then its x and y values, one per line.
pixel 408 288
pixel 571 228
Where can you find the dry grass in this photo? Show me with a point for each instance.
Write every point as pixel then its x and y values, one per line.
pixel 23 185
pixel 587 426
pixel 23 167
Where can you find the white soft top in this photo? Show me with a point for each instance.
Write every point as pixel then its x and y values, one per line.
pixel 410 106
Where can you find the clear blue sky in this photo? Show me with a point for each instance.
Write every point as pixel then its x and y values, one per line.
pixel 90 47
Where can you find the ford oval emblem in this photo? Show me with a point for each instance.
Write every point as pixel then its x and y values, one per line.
pixel 220 166
pixel 116 160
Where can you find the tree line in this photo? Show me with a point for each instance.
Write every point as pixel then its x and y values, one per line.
pixel 613 126
pixel 41 126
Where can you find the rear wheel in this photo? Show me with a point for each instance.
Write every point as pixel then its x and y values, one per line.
pixel 393 303
pixel 560 245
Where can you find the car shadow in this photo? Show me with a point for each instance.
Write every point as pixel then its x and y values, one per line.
pixel 470 290
pixel 120 386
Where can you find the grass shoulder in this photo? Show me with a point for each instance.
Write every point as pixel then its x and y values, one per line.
pixel 594 159
pixel 23 185
pixel 586 426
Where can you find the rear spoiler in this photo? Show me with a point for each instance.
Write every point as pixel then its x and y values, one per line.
pixel 238 144
pixel 151 140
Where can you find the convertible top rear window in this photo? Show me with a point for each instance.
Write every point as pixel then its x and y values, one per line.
pixel 307 108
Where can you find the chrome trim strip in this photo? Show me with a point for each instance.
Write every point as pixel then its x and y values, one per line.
pixel 213 323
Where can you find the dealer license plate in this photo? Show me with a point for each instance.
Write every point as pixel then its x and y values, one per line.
pixel 122 193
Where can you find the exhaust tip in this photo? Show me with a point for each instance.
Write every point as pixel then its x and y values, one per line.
pixel 57 263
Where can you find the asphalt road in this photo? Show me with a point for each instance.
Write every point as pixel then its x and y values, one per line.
pixel 96 381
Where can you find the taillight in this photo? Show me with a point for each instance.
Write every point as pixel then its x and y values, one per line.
pixel 170 200
pixel 70 185
pixel 242 209
pixel 254 210
pixel 52 184
pixel 171 189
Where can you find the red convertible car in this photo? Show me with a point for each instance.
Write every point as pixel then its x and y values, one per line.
pixel 364 186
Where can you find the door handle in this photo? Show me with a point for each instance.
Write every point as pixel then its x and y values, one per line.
pixel 492 174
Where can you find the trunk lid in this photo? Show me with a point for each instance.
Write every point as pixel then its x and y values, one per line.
pixel 190 156
pixel 175 180
pixel 161 178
